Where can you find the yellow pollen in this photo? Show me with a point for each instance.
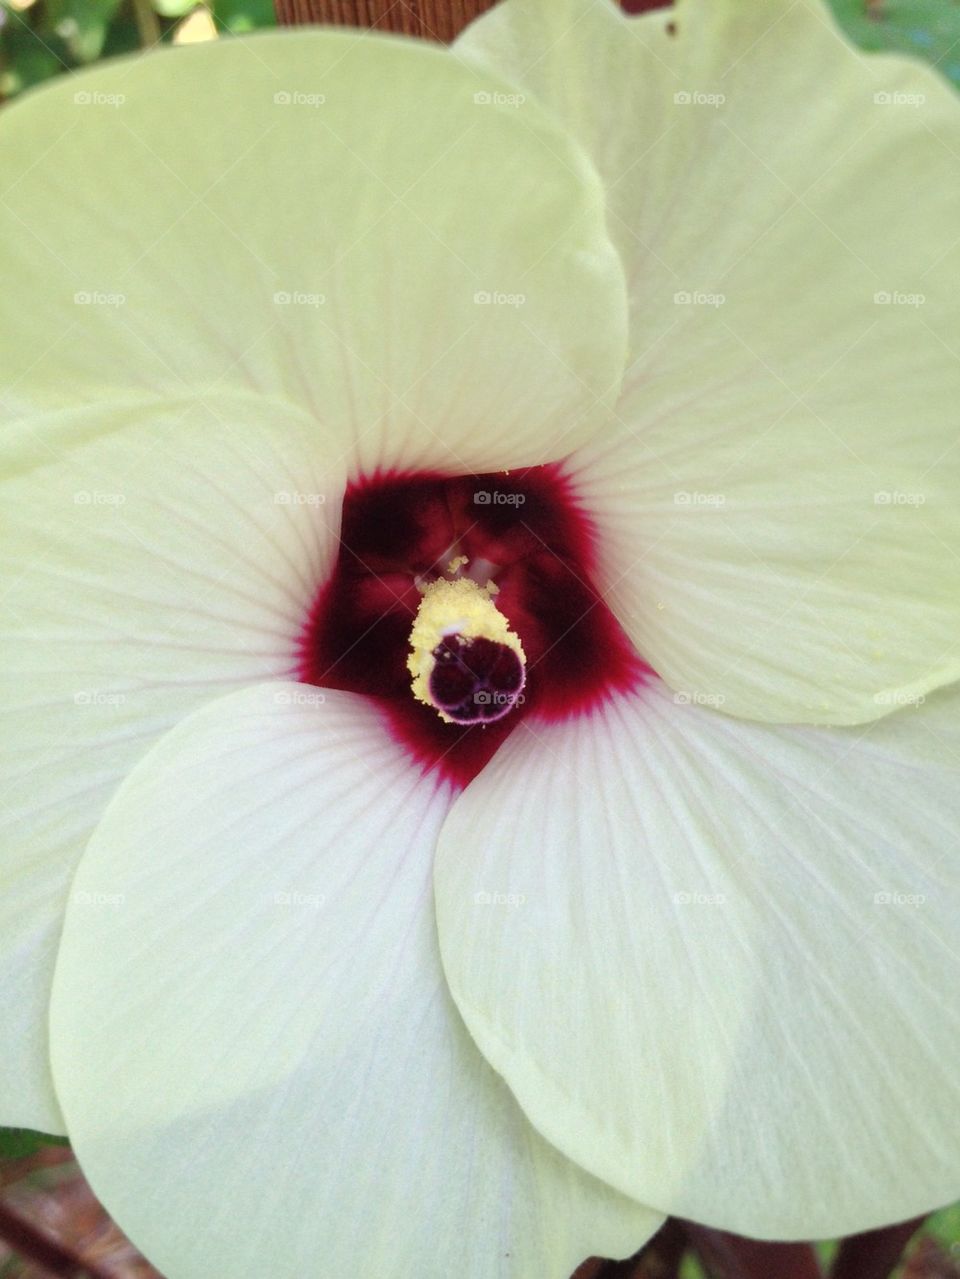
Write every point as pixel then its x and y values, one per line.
pixel 458 607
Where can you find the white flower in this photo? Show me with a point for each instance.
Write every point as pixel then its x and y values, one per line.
pixel 667 904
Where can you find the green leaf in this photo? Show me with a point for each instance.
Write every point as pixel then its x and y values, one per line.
pixel 174 8
pixel 238 16
pixel 927 29
pixel 945 1228
pixel 26 59
pixel 16 1143
pixel 691 1268
pixel 123 35
pixel 81 24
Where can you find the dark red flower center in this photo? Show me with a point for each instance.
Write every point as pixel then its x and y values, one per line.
pixel 522 530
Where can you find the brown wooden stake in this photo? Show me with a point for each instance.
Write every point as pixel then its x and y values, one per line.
pixel 873 1255
pixel 726 1256
pixel 429 19
pixel 32 1242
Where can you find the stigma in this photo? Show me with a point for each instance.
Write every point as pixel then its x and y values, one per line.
pixel 465 661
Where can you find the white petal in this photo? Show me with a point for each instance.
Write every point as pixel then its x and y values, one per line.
pixel 151 559
pixel 778 505
pixel 252 1037
pixel 317 218
pixel 202 320
pixel 729 986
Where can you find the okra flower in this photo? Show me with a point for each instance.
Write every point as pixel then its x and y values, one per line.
pixel 482 580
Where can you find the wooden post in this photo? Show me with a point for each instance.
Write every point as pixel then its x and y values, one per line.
pixel 429 19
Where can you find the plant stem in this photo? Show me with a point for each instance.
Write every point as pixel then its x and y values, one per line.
pixel 148 24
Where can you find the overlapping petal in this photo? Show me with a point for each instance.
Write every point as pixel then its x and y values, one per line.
pixel 153 556
pixel 360 226
pixel 778 500
pixel 233 275
pixel 252 1037
pixel 724 978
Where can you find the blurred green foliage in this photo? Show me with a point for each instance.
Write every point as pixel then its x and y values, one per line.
pixel 16 1143
pixel 42 38
pixel 46 37
pixel 928 29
